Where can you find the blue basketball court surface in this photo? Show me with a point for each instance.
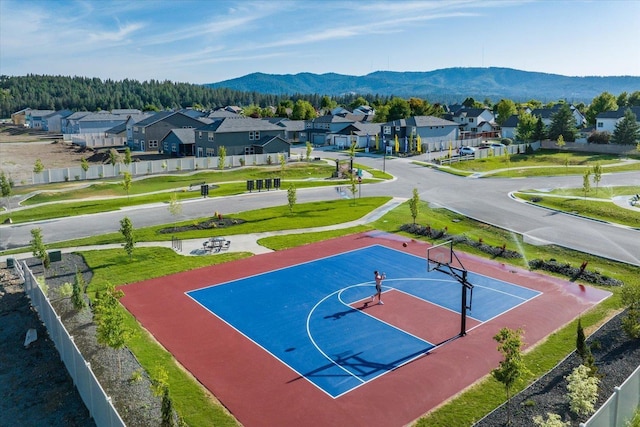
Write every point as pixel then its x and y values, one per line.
pixel 305 315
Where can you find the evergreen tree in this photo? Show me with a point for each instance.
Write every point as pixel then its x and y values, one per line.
pixel 563 123
pixel 627 130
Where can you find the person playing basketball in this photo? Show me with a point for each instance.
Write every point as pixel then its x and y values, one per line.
pixel 378 278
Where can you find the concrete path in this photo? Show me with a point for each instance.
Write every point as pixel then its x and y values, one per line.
pixel 239 242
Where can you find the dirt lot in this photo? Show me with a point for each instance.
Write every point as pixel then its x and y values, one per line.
pixel 19 150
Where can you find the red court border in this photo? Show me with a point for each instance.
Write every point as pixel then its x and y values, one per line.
pixel 261 391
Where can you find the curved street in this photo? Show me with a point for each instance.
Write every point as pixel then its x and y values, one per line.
pixel 485 200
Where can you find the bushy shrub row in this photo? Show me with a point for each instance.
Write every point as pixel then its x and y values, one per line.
pixel 434 233
pixel 574 272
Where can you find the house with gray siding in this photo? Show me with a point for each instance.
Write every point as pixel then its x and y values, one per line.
pixel 240 136
pixel 148 133
pixel 34 118
pixel 433 131
pixel 53 122
pixel 179 143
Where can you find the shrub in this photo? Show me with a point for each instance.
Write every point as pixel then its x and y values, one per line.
pixel 599 137
pixel 506 141
pixel 582 390
pixel 66 290
pixel 553 420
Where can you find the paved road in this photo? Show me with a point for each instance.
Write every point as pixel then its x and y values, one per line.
pixel 486 200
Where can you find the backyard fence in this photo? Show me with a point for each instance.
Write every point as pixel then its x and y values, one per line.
pixel 150 167
pixel 620 408
pixel 96 400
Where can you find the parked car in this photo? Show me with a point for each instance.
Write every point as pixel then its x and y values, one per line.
pixel 493 145
pixel 467 151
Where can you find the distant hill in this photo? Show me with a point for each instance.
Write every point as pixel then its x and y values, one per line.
pixel 445 84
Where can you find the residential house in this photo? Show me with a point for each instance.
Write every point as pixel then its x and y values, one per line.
pixel 148 132
pixel 99 122
pixel 365 110
pixel 53 122
pixel 434 132
pixel 70 124
pixel 546 114
pixel 240 136
pixel 475 123
pixel 179 143
pixel 318 131
pixel 607 120
pixel 509 127
pixel 293 129
pixel 34 118
pixel 360 133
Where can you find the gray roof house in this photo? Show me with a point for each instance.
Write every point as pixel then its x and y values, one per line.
pixel 292 128
pixel 433 131
pixel 70 124
pixel 240 136
pixel 179 142
pixel 98 122
pixel 148 133
pixel 33 118
pixel 509 127
pixel 607 120
pixel 53 122
pixel 318 130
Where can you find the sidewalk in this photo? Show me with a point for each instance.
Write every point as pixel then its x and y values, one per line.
pixel 239 242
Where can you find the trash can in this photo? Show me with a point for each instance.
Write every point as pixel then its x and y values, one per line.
pixel 10 262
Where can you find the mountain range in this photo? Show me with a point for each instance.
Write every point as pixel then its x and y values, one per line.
pixel 444 85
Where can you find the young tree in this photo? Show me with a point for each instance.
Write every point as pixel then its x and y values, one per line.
pixel 175 207
pixel 38 166
pixel 582 390
pixel 353 185
pixel 414 204
pixel 630 295
pixel 126 182
pixel 167 409
pixel 627 130
pixel 283 162
pixel 586 184
pixel 127 156
pixel 79 286
pixel 563 123
pixel 512 367
pixel 126 228
pixel 114 157
pixel 291 197
pixel 222 157
pixel 309 150
pixel 560 142
pixel 111 329
pixel 597 175
pixel 581 341
pixel 38 247
pixel 84 164
pixel 5 186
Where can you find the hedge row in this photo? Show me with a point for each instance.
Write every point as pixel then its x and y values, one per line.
pixel 433 233
pixel 574 272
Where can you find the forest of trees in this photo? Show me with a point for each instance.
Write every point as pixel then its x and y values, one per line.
pixel 93 94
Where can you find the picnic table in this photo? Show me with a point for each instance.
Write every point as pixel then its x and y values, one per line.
pixel 216 244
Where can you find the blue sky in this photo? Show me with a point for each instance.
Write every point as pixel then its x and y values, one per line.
pixel 209 41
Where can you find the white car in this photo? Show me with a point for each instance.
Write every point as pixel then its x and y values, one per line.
pixel 467 151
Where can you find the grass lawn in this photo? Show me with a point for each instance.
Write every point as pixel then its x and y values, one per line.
pixel 197 409
pixel 540 163
pixel 600 210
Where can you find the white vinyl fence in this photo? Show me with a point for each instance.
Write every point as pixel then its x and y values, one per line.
pixel 94 397
pixel 150 167
pixel 619 409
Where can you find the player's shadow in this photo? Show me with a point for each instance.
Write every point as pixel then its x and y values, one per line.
pixel 339 315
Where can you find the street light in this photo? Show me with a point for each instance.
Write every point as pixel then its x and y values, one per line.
pixel 384 157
